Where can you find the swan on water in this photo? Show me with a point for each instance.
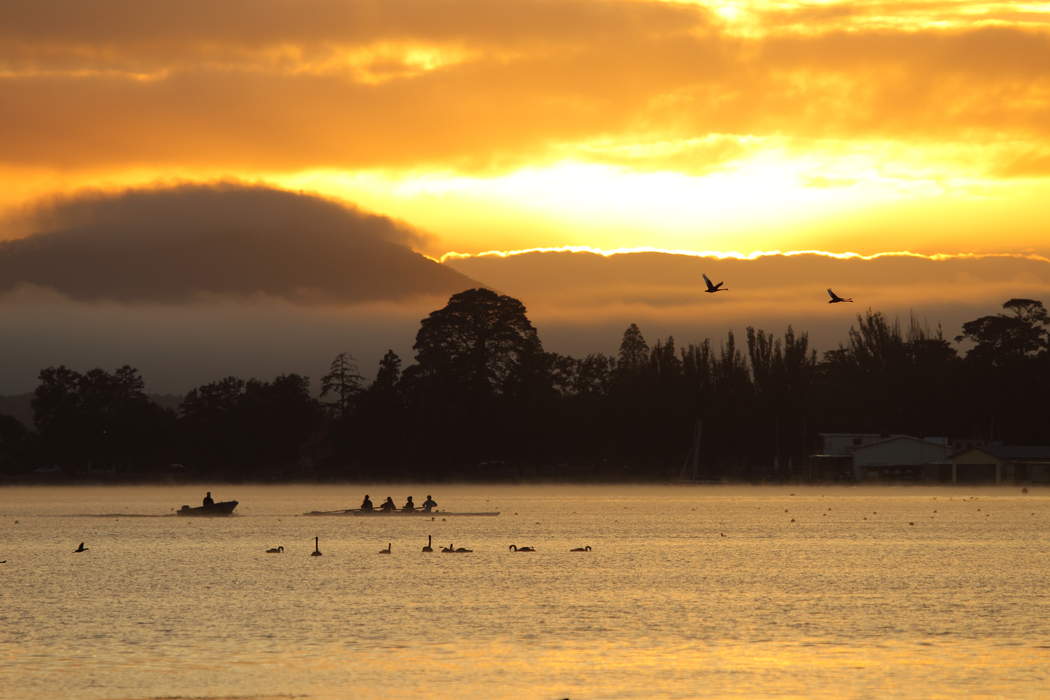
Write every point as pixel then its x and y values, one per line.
pixel 387 550
pixel 317 549
pixel 428 548
pixel 586 548
pixel 515 548
pixel 455 550
pixel 279 549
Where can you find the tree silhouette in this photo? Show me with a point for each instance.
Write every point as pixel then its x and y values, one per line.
pixel 483 401
pixel 373 442
pixel 1005 338
pixel 480 339
pixel 478 360
pixel 343 381
pixel 99 419
pixel 212 426
pixel 634 351
pixel 1009 365
pixel 16 445
pixel 241 428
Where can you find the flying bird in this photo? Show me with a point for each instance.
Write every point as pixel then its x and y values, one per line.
pixel 835 298
pixel 712 288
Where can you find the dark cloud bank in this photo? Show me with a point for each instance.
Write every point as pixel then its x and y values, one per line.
pixel 186 242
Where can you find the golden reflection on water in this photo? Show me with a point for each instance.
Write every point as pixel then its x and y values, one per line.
pixel 688 592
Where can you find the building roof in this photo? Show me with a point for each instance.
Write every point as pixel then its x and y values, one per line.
pixel 868 446
pixel 1017 453
pixel 876 435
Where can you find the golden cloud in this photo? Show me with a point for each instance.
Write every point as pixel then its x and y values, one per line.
pixel 469 84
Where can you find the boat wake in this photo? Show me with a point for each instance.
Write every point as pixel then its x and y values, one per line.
pixel 117 515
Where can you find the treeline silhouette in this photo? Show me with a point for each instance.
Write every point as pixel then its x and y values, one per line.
pixel 484 401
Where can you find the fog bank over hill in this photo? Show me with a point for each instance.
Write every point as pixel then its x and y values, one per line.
pixel 186 242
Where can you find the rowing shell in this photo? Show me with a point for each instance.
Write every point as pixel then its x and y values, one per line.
pixel 395 513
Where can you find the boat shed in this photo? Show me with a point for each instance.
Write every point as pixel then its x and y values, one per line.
pixel 996 464
pixel 900 458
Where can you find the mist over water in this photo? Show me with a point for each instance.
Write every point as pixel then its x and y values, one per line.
pixel 812 591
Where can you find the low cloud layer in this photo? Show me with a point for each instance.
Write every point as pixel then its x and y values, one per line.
pixel 575 297
pixel 184 243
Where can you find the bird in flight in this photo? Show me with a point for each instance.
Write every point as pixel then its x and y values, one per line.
pixel 835 298
pixel 712 288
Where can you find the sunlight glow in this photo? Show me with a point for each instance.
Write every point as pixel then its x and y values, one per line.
pixel 761 17
pixel 737 255
pixel 759 201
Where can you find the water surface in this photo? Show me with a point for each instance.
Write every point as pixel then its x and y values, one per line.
pixel 689 592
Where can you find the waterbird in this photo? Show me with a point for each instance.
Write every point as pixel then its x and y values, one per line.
pixel 515 548
pixel 279 549
pixel 587 548
pixel 712 288
pixel 835 298
pixel 460 550
pixel 448 549
pixel 428 548
pixel 317 549
pixel 81 548
pixel 387 550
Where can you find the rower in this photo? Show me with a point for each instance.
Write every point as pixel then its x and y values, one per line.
pixel 366 505
pixel 388 505
pixel 429 504
pixel 409 505
pixel 208 500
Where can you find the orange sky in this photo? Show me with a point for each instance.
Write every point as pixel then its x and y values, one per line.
pixel 728 125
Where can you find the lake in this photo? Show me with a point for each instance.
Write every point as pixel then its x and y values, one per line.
pixel 689 591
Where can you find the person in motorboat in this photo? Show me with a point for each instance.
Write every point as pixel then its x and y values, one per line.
pixel 366 505
pixel 388 505
pixel 409 505
pixel 208 500
pixel 429 504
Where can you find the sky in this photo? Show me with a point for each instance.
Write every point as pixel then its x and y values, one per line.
pixel 468 132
